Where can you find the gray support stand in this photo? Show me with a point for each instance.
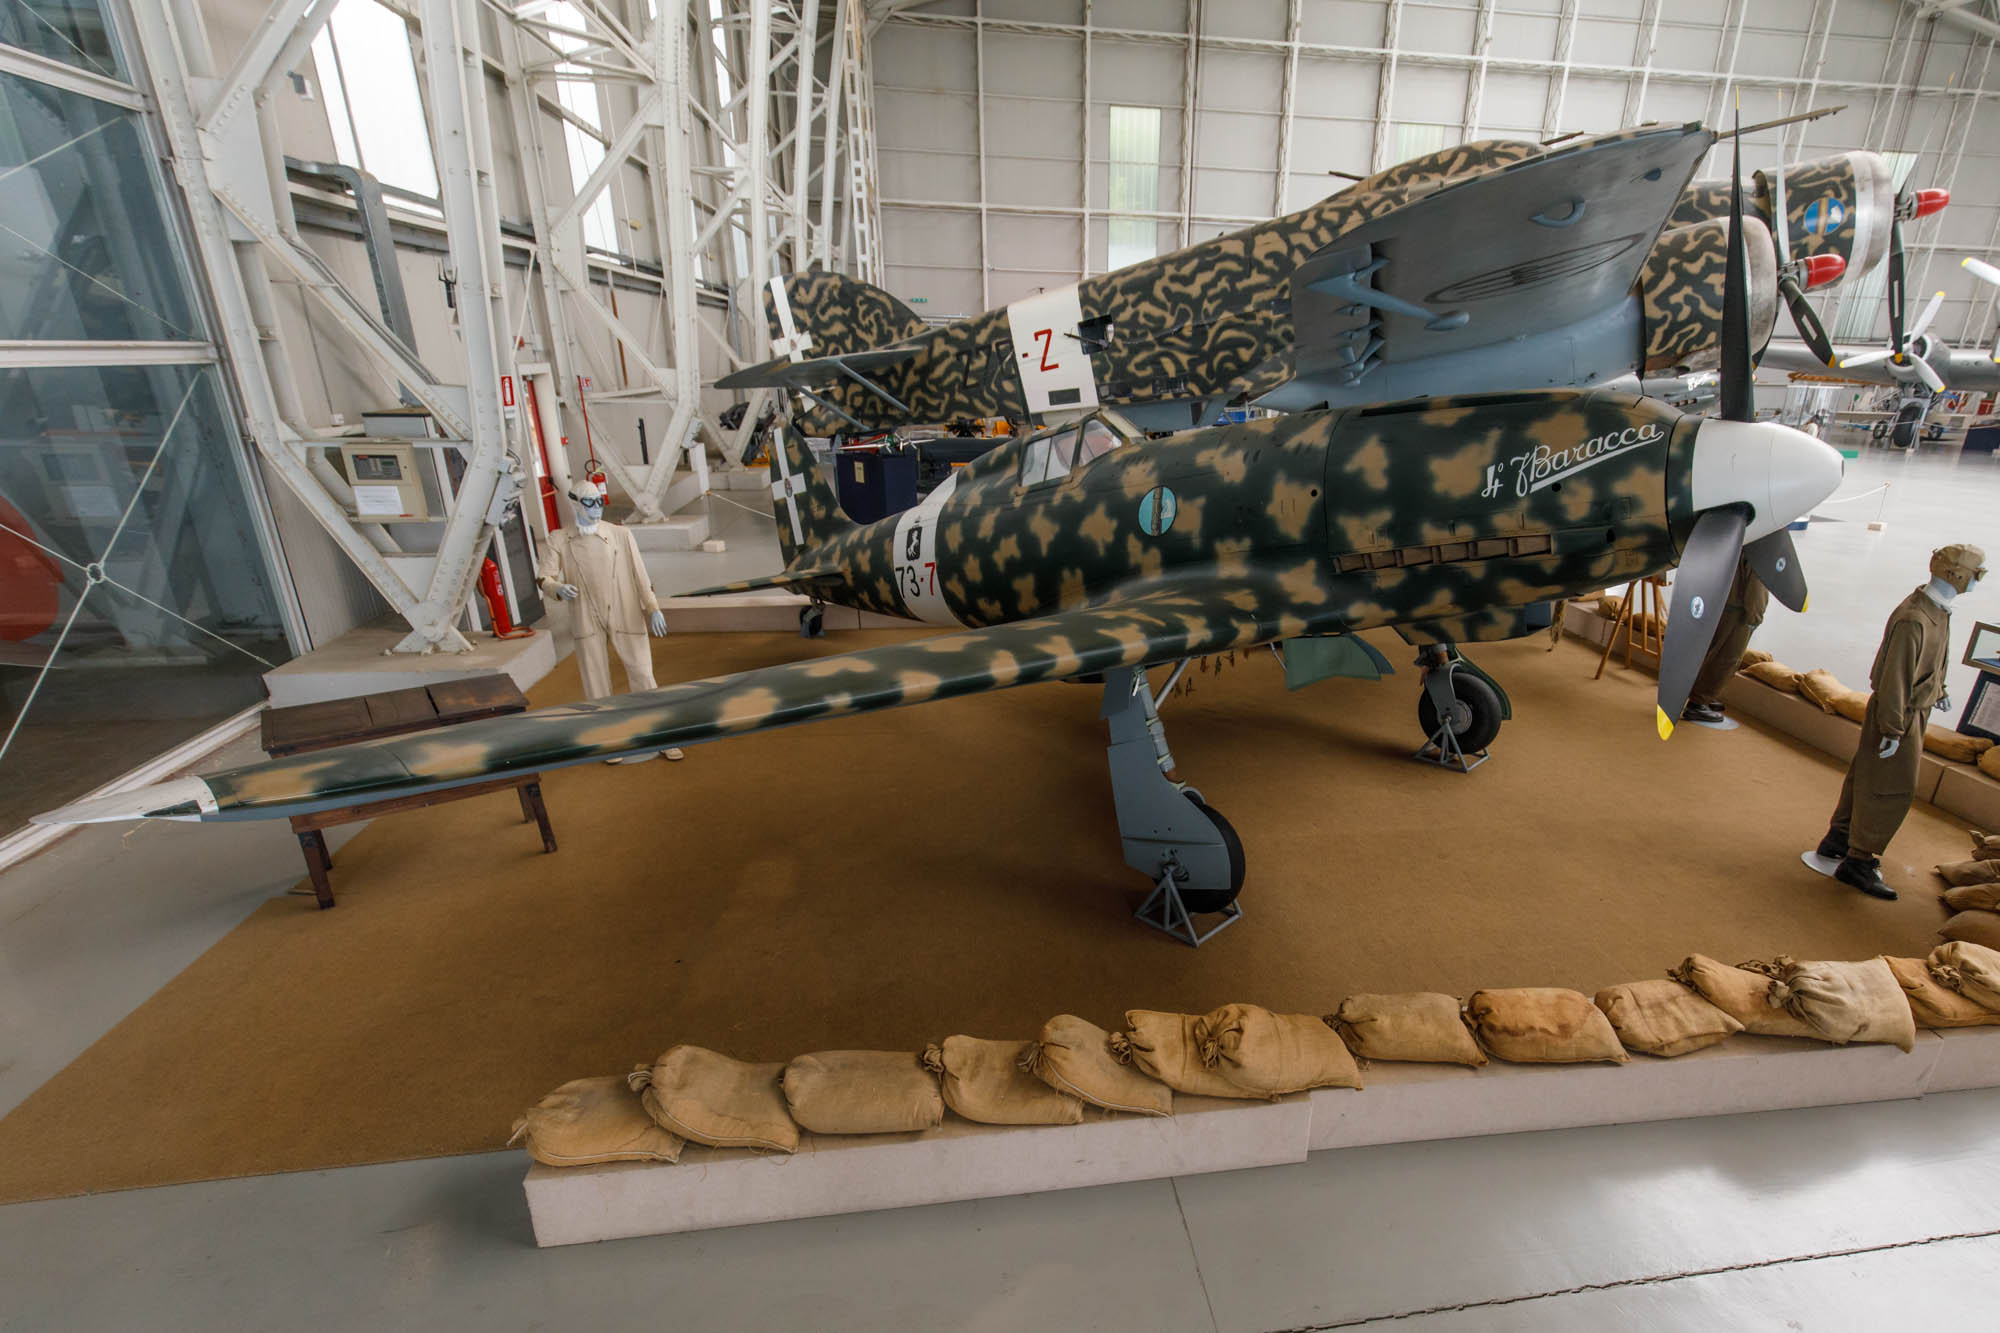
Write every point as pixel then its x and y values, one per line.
pixel 1169 837
pixel 1443 748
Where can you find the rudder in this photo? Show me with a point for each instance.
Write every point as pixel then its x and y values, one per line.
pixel 802 499
pixel 835 314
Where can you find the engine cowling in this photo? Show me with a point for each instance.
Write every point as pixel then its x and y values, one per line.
pixel 1680 290
pixel 1838 205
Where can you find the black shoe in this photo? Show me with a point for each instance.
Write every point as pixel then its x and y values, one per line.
pixel 1864 873
pixel 1701 713
pixel 1833 846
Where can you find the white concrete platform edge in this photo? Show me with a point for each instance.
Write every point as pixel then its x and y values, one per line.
pixel 1402 1103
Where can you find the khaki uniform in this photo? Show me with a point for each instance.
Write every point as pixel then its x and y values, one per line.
pixel 614 601
pixel 1741 615
pixel 1908 677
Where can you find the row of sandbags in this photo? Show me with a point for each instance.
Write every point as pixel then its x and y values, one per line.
pixel 1974 895
pixel 1242 1051
pixel 1822 687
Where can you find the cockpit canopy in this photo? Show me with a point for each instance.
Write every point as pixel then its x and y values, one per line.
pixel 1052 455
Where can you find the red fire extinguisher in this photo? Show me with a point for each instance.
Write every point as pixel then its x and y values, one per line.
pixel 496 603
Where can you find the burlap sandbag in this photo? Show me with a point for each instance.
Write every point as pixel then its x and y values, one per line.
pixel 1663 1017
pixel 1852 704
pixel 862 1092
pixel 1415 1025
pixel 594 1120
pixel 1274 1053
pixel 1981 928
pixel 1542 1025
pixel 1933 1005
pixel 1822 687
pixel 1074 1056
pixel 1742 993
pixel 990 1083
pixel 1985 846
pixel 712 1099
pixel 1970 968
pixel 1775 674
pixel 1958 873
pixel 1989 763
pixel 1166 1047
pixel 1751 657
pixel 1848 1002
pixel 1973 897
pixel 1955 746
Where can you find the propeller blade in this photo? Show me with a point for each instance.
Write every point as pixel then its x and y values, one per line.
pixel 1781 227
pixel 1868 358
pixel 1806 320
pixel 1775 562
pixel 1896 284
pixel 1739 401
pixel 1927 375
pixel 1701 587
pixel 1980 269
pixel 1924 320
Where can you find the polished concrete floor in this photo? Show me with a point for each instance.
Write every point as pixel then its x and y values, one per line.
pixel 1841 1218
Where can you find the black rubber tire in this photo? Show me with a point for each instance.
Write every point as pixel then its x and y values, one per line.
pixel 1215 900
pixel 1482 704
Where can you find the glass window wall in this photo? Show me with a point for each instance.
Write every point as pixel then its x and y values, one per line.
pixel 138 607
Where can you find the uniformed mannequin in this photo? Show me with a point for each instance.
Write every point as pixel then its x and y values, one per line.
pixel 1908 679
pixel 1741 615
pixel 595 566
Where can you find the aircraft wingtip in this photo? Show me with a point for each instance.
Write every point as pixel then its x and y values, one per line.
pixel 179 798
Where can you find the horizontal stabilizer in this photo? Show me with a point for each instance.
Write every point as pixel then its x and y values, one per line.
pixel 1309 661
pixel 814 372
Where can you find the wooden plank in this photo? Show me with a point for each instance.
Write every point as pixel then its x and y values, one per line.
pixel 310 726
pixel 476 697
pixel 393 712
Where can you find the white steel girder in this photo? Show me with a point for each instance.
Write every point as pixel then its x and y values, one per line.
pixel 750 123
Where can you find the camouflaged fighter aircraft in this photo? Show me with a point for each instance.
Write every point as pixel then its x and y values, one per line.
pixel 1495 265
pixel 1076 553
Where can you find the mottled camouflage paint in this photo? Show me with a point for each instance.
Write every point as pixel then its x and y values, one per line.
pixel 1681 289
pixel 1853 181
pixel 1212 320
pixel 1441 517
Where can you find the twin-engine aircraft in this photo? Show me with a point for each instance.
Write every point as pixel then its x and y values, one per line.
pixel 1496 265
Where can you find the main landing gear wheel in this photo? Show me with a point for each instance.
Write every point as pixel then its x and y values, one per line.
pixel 1216 900
pixel 1474 715
pixel 812 621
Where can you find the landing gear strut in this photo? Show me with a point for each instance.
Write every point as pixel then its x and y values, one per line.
pixel 812 621
pixel 1460 710
pixel 1172 837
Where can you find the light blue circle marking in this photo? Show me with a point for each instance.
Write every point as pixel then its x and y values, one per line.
pixel 1824 216
pixel 1156 510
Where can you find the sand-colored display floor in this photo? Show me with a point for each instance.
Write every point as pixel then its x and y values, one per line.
pixel 887 880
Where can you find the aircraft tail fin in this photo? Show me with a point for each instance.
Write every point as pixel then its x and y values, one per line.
pixel 821 314
pixel 802 498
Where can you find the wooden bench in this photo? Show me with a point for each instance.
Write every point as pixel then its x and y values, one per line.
pixel 393 713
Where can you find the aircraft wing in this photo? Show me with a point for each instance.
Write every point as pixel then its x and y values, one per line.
pixel 1498 266
pixel 815 372
pixel 1959 369
pixel 1168 620
pixel 790 578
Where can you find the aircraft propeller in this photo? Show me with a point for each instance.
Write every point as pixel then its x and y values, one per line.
pixel 1985 272
pixel 1795 280
pixel 1914 349
pixel 1709 557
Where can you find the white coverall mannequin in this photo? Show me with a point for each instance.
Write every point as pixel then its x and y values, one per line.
pixel 595 566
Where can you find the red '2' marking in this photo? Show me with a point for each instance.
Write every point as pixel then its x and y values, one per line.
pixel 1046 336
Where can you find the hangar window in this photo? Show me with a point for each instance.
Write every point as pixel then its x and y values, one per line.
pixel 371 44
pixel 1132 186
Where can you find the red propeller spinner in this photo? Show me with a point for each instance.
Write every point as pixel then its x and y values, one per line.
pixel 1823 269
